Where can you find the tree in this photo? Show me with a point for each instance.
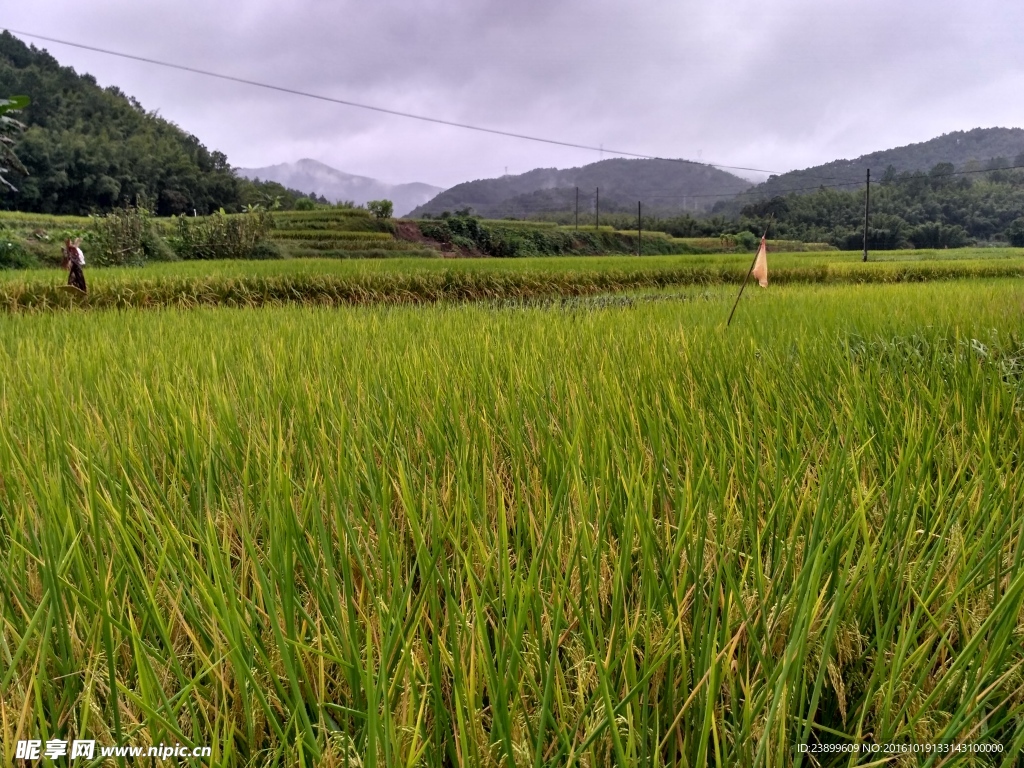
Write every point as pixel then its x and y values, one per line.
pixel 381 209
pixel 88 149
pixel 1015 233
pixel 8 125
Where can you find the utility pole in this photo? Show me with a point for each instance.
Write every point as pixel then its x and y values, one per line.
pixel 639 228
pixel 597 210
pixel 577 209
pixel 867 213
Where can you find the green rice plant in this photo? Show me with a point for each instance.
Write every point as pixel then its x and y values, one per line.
pixel 328 234
pixel 526 225
pixel 20 220
pixel 330 221
pixel 351 245
pixel 417 280
pixel 585 228
pixel 322 214
pixel 352 248
pixel 796 246
pixel 559 535
pixel 368 251
pixel 653 235
pixel 706 244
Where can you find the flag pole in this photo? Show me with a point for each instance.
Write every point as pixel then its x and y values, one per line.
pixel 747 278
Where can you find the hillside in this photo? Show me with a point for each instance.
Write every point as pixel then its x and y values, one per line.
pixel 664 185
pixel 87 148
pixel 981 147
pixel 90 149
pixel 335 185
pixel 908 210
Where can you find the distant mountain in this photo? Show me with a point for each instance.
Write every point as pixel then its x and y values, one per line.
pixel 662 185
pixel 981 146
pixel 314 177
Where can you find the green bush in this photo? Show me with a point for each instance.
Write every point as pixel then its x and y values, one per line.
pixel 381 209
pixel 266 249
pixel 125 236
pixel 1015 233
pixel 156 248
pixel 747 241
pixel 14 256
pixel 221 236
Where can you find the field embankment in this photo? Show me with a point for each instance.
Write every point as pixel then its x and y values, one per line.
pixel 421 281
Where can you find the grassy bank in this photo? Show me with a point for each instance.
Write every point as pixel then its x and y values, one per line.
pixel 464 536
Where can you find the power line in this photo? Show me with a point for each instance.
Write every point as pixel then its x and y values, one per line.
pixel 495 131
pixel 384 110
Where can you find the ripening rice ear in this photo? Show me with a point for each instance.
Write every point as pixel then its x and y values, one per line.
pixel 78 242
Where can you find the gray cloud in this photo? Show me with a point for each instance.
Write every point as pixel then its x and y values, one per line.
pixel 775 85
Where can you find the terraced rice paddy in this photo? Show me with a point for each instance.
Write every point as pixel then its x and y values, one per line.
pixel 418 281
pixel 582 533
pixel 340 234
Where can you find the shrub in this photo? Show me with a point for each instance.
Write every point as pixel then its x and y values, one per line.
pixel 748 241
pixel 156 248
pixel 125 236
pixel 14 256
pixel 221 236
pixel 266 249
pixel 304 204
pixel 1015 233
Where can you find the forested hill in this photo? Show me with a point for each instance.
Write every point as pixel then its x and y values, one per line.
pixel 975 149
pixel 663 185
pixel 89 149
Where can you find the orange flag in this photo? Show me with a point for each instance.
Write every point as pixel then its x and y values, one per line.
pixel 760 271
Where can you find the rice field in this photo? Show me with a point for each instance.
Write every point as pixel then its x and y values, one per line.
pixel 399 280
pixel 606 531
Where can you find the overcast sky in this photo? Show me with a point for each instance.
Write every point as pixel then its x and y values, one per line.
pixel 772 84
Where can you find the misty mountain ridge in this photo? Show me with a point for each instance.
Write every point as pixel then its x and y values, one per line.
pixel 663 186
pixel 314 177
